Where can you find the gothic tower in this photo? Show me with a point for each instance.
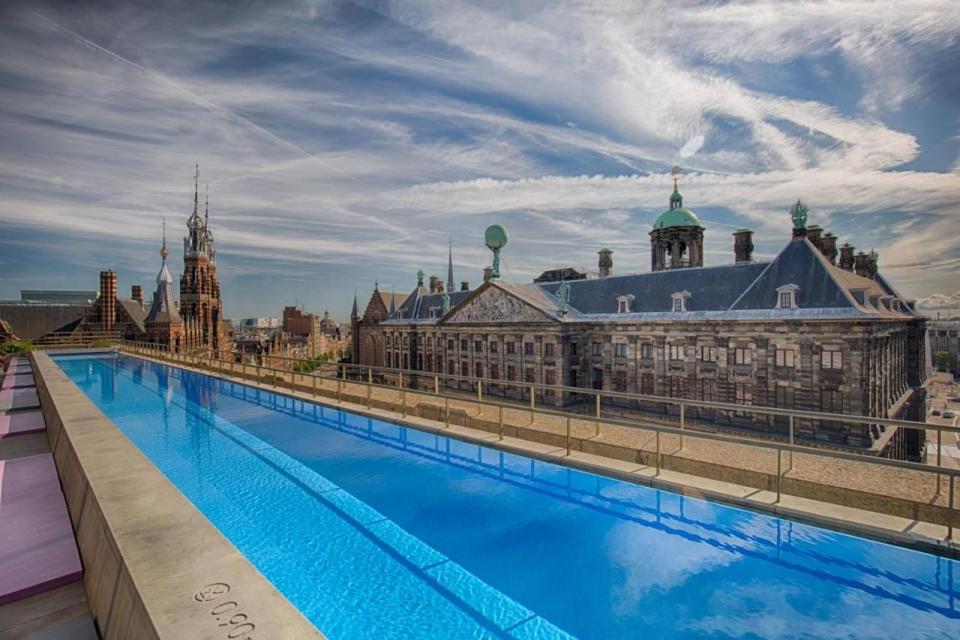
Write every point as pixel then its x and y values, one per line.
pixel 677 237
pixel 163 323
pixel 200 304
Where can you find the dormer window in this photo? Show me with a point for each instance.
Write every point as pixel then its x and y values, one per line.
pixel 680 300
pixel 860 295
pixel 787 296
pixel 435 312
pixel 623 303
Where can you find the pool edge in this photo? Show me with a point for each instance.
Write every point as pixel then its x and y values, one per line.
pixel 154 565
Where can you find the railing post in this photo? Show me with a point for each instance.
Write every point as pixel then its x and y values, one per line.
pixel 314 385
pixel 500 420
pixel 791 440
pixel 568 434
pixel 532 399
pixel 400 379
pixel 403 400
pixel 479 396
pixel 369 389
pixel 683 412
pixel 446 412
pixel 339 390
pixel 950 512
pixel 658 454
pixel 779 471
pixel 939 459
pixel 436 384
pixel 369 376
pixel 597 414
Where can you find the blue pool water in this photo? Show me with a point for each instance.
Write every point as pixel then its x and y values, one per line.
pixel 377 531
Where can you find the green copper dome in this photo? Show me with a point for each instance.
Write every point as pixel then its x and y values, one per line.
pixel 679 217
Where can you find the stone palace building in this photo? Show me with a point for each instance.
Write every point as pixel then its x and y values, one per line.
pixel 815 328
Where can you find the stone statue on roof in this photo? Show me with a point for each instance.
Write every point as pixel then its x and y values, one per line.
pixel 446 302
pixel 563 296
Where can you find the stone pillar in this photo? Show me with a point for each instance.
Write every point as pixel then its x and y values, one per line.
pixel 605 263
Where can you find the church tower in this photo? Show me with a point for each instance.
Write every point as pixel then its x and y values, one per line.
pixel 163 323
pixel 677 237
pixel 200 304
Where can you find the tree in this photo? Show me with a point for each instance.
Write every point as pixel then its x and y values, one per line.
pixel 944 361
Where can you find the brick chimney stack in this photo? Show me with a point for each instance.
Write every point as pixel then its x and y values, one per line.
pixel 860 264
pixel 487 273
pixel 108 299
pixel 136 292
pixel 436 285
pixel 828 245
pixel 605 263
pixel 464 286
pixel 814 233
pixel 743 245
pixel 846 256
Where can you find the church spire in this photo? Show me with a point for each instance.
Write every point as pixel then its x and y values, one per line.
pixel 206 206
pixel 196 186
pixel 355 313
pixel 450 281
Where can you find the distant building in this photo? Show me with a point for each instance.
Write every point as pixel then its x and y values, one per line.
pixel 800 331
pixel 39 296
pixel 944 336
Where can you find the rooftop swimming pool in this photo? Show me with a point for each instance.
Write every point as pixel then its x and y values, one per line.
pixel 373 530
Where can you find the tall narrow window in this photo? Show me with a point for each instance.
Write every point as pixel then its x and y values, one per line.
pixel 787 296
pixel 831 360
pixel 785 358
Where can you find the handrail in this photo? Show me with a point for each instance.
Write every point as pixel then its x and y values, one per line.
pixel 688 402
pixel 780 448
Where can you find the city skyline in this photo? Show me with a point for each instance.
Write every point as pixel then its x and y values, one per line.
pixel 345 144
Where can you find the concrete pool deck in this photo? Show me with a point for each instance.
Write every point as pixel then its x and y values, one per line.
pixel 154 567
pixel 899 529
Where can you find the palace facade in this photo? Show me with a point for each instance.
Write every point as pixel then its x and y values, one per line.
pixel 814 329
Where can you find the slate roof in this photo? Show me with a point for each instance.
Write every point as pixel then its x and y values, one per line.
pixel 418 303
pixel 164 308
pixel 742 291
pixel 711 288
pixel 135 312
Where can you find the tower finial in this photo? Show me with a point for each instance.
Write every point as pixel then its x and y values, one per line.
pixel 676 200
pixel 163 248
pixel 450 281
pixel 196 185
pixel 206 206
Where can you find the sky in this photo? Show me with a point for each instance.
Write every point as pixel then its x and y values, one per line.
pixel 346 143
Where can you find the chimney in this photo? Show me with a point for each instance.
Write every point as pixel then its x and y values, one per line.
pixel 870 265
pixel 828 245
pixel 846 256
pixel 860 264
pixel 136 292
pixel 743 245
pixel 605 263
pixel 813 235
pixel 108 299
pixel 464 286
pixel 436 285
pixel 487 273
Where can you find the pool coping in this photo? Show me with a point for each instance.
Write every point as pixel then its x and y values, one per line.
pixel 896 530
pixel 154 566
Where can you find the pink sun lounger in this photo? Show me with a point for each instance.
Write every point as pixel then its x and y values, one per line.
pixel 21 423
pixel 37 548
pixel 18 380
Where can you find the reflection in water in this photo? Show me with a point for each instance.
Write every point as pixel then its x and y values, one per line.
pixel 652 561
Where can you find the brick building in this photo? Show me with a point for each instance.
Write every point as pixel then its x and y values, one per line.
pixel 799 331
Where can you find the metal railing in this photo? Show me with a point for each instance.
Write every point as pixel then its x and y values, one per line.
pixel 532 390
pixel 273 375
pixel 76 339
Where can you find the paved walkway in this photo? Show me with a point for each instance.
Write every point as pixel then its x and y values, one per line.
pixel 41 593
